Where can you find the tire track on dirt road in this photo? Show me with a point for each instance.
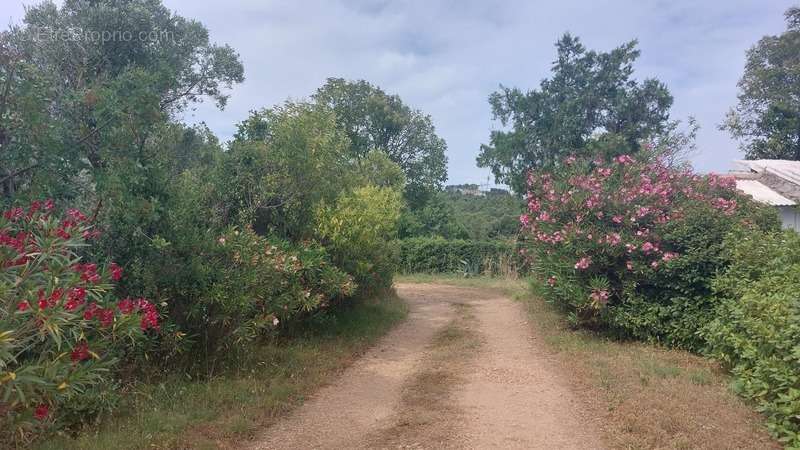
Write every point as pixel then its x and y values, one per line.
pixel 497 387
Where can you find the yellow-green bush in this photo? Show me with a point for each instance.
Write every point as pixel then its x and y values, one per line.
pixel 359 230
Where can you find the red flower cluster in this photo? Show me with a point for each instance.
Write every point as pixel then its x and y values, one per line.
pixel 75 298
pixel 116 271
pixel 149 313
pixel 21 244
pixel 50 301
pixel 88 272
pixel 41 412
pixel 80 352
pixel 104 315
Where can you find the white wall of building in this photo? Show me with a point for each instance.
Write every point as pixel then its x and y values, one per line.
pixel 790 217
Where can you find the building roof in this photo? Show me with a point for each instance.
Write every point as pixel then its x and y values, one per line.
pixel 772 181
pixel 782 168
pixel 762 193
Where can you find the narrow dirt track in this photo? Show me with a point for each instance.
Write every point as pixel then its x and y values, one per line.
pixel 504 393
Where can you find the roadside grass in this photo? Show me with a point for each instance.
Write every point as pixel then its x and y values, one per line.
pixel 642 396
pixel 276 376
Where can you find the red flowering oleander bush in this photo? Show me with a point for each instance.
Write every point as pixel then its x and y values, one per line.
pixel 61 327
pixel 631 245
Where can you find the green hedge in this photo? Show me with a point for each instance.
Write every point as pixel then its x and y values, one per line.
pixel 756 332
pixel 438 255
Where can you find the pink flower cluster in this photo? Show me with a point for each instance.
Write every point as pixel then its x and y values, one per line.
pixel 583 263
pixel 599 215
pixel 599 297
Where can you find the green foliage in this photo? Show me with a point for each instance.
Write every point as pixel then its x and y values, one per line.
pixel 61 328
pixel 28 135
pixel 93 101
pixel 491 216
pixel 674 303
pixel 283 163
pixel 375 120
pixel 360 230
pixel 631 246
pixel 256 284
pixel 766 120
pixel 378 170
pixel 436 218
pixel 438 255
pixel 756 331
pixel 453 215
pixel 589 93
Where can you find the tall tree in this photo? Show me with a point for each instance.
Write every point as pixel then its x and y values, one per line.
pixel 113 71
pixel 375 120
pixel 589 93
pixel 766 120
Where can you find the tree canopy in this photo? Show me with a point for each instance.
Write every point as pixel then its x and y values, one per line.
pixel 375 120
pixel 88 82
pixel 766 120
pixel 589 93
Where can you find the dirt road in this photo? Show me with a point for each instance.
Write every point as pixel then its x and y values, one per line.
pixel 464 371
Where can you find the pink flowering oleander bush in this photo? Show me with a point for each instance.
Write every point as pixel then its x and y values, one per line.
pixel 630 245
pixel 61 327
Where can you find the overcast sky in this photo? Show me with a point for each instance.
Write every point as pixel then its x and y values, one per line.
pixel 445 57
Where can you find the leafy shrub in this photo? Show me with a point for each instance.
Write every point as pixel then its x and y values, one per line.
pixel 61 328
pixel 360 230
pixel 756 332
pixel 631 246
pixel 239 285
pixel 283 163
pixel 438 255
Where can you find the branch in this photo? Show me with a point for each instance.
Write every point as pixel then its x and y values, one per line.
pixel 185 93
pixel 93 132
pixel 18 173
pixel 96 211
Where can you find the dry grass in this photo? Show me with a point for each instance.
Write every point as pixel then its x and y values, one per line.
pixel 651 397
pixel 644 396
pixel 428 417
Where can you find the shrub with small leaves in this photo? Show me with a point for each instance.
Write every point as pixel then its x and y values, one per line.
pixel 756 332
pixel 360 231
pixel 261 283
pixel 631 245
pixel 61 327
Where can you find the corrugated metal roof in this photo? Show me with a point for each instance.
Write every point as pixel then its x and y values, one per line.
pixel 762 193
pixel 785 169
